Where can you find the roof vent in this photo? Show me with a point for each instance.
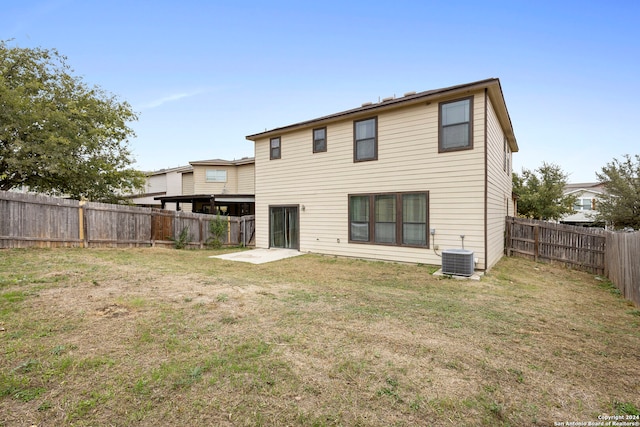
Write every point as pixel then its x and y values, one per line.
pixel 366 104
pixel 389 98
pixel 410 93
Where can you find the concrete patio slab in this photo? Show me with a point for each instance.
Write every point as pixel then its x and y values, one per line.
pixel 259 256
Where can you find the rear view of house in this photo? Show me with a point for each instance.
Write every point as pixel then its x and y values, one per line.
pixel 399 180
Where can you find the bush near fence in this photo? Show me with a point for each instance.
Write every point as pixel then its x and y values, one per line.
pixel 615 255
pixel 28 220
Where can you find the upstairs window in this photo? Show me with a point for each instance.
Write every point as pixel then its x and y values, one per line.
pixel 365 140
pixel 319 140
pixel 507 157
pixel 274 148
pixel 584 204
pixel 216 175
pixel 455 130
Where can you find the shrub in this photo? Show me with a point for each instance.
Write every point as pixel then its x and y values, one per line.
pixel 217 228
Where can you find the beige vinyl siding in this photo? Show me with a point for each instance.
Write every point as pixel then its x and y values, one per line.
pixel 499 187
pixel 201 186
pixel 408 160
pixel 246 179
pixel 187 183
pixel 187 189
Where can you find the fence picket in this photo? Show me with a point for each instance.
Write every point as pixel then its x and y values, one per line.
pixel 614 255
pixel 28 220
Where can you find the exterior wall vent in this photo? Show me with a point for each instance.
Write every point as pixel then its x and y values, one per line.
pixel 458 262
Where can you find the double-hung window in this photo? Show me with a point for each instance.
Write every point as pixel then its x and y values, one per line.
pixel 399 219
pixel 385 221
pixel 583 204
pixel 274 148
pixel 414 219
pixel 319 140
pixel 365 140
pixel 359 218
pixel 216 175
pixel 455 125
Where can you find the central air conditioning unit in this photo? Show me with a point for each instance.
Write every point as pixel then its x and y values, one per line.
pixel 458 262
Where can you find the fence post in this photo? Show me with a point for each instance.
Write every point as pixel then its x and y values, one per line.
pixel 508 237
pixel 536 242
pixel 243 232
pixel 81 223
pixel 201 225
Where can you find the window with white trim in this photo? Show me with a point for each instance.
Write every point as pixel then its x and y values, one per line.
pixel 216 175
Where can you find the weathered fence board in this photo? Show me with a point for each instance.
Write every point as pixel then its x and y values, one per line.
pixel 578 247
pixel 623 263
pixel 116 226
pixel 614 255
pixel 28 220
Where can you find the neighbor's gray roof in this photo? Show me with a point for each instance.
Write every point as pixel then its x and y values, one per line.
pixel 220 162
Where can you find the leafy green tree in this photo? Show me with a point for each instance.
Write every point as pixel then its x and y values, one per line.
pixel 58 135
pixel 541 193
pixel 619 206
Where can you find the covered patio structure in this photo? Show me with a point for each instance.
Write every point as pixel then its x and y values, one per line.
pixel 223 204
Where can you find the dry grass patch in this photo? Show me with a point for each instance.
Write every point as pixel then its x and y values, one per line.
pixel 165 337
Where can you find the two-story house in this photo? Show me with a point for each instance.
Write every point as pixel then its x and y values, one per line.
pixel 160 183
pixel 586 206
pixel 397 180
pixel 206 186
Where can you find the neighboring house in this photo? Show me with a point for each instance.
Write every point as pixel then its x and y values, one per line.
pixel 164 182
pixel 215 186
pixel 398 180
pixel 586 206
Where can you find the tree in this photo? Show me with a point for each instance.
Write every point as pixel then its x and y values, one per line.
pixel 58 135
pixel 541 193
pixel 619 206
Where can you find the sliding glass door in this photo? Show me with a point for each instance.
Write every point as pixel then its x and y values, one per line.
pixel 284 230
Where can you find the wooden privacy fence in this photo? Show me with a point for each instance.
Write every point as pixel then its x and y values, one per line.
pixel 623 263
pixel 579 247
pixel 28 220
pixel 611 254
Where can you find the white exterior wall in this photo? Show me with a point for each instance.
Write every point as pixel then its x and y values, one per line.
pixel 174 183
pixel 408 160
pixel 156 183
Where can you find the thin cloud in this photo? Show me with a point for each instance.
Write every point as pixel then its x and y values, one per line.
pixel 171 98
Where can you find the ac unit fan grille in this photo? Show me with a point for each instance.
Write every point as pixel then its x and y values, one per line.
pixel 457 262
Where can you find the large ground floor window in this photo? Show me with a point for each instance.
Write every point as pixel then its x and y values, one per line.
pixel 400 219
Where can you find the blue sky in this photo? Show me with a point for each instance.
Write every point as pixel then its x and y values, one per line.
pixel 204 74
